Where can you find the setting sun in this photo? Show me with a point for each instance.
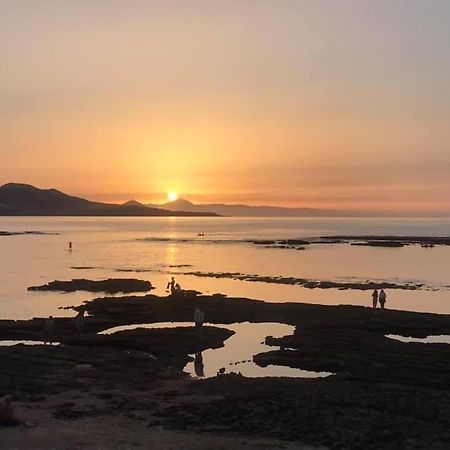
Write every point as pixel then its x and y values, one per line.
pixel 172 196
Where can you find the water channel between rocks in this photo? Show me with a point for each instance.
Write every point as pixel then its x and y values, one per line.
pixel 435 339
pixel 236 356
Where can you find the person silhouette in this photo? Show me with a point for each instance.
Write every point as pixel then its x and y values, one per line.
pixel 171 285
pixel 382 298
pixel 79 322
pixel 199 367
pixel 199 317
pixel 374 298
pixel 49 330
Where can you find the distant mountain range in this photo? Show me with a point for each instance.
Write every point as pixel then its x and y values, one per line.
pixel 244 210
pixel 25 200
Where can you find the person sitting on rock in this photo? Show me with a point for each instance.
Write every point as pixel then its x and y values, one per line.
pixel 382 298
pixel 374 298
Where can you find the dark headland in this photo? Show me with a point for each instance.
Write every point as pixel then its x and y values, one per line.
pixel 383 393
pixel 26 200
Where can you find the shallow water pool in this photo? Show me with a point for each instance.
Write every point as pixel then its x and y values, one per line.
pixel 237 354
pixel 8 343
pixel 437 339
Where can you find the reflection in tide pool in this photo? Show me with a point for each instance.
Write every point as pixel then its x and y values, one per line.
pixel 147 325
pixel 7 343
pixel 438 339
pixel 237 354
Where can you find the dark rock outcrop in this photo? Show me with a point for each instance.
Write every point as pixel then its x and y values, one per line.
pixel 394 244
pixel 385 394
pixel 111 285
pixel 396 240
pixel 309 284
pixel 158 341
pixel 21 233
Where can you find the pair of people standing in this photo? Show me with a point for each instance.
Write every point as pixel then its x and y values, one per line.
pixel 379 297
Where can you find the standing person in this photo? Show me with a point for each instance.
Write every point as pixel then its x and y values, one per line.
pixel 382 298
pixel 79 322
pixel 70 246
pixel 199 318
pixel 171 284
pixel 374 298
pixel 49 330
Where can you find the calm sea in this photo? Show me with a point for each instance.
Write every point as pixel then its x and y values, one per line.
pixel 105 245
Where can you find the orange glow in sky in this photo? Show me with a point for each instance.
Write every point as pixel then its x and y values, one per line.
pixel 295 103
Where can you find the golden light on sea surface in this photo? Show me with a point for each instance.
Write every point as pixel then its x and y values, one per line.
pixel 172 196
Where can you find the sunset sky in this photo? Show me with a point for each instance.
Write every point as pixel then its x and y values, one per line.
pixel 318 103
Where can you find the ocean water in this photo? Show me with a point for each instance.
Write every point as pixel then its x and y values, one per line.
pixel 150 246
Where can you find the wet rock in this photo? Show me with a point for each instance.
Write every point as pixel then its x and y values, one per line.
pixel 183 293
pixel 405 240
pixel 385 394
pixel 7 417
pixel 72 412
pixel 160 342
pixel 394 244
pixel 111 285
pixel 319 413
pixel 22 233
pixel 295 242
pixel 309 284
pixel 178 266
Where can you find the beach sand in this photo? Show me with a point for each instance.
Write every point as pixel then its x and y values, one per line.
pixel 43 431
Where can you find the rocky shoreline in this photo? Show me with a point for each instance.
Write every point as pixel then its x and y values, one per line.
pixel 26 233
pixel 383 394
pixel 309 284
pixel 359 240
